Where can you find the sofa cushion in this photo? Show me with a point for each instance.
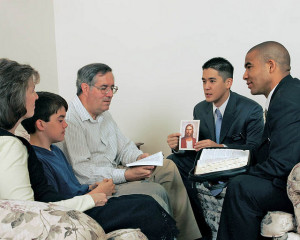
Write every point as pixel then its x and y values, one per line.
pixel 288 236
pixel 293 191
pixel 125 234
pixel 30 219
pixel 276 224
pixel 212 207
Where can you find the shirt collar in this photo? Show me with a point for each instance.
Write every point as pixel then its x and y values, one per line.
pixel 269 98
pixel 222 107
pixel 83 113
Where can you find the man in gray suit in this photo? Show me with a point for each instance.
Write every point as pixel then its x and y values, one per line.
pixel 227 119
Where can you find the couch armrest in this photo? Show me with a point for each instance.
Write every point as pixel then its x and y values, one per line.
pixel 124 234
pixel 30 220
pixel 276 224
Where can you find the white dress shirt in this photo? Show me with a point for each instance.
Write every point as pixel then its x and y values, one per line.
pixel 95 147
pixel 269 98
pixel 221 108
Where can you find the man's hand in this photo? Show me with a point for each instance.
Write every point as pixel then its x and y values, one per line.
pixel 99 199
pixel 206 143
pixel 138 173
pixel 106 186
pixel 143 156
pixel 173 141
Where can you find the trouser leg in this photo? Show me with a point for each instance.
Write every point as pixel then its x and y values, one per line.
pixel 135 211
pixel 184 165
pixel 247 200
pixel 169 177
pixel 147 187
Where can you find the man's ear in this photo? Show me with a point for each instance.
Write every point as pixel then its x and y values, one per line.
pixel 39 124
pixel 229 82
pixel 85 88
pixel 272 65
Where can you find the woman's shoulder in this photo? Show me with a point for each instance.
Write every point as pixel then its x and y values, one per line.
pixel 11 149
pixel 11 142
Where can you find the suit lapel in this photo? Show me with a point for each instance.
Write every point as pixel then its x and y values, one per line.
pixel 209 121
pixel 228 116
pixel 276 94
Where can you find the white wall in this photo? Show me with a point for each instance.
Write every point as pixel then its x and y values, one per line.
pixel 27 36
pixel 156 49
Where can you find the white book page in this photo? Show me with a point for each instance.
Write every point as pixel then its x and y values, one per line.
pixel 212 160
pixel 153 160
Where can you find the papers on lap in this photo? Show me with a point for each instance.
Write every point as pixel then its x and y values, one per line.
pixel 153 160
pixel 213 160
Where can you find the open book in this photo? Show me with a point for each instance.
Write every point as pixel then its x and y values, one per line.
pixel 221 159
pixel 153 160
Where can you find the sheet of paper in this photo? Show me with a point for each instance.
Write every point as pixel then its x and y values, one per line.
pixel 153 160
pixel 212 160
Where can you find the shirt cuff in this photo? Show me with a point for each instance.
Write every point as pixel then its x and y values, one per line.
pixel 119 176
pixel 178 152
pixel 89 201
pixel 139 153
pixel 87 187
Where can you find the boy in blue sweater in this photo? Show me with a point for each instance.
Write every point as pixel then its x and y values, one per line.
pixel 46 127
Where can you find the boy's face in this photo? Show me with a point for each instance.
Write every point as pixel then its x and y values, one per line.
pixel 55 128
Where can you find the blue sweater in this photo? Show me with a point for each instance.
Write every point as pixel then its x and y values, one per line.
pixel 59 172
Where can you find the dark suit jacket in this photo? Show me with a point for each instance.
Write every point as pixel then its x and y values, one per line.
pixel 242 126
pixel 279 151
pixel 242 123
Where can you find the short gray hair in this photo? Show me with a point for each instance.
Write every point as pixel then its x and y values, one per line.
pixel 87 74
pixel 14 79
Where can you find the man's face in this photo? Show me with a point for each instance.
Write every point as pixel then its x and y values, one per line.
pixel 55 128
pixel 215 89
pixel 98 102
pixel 256 74
pixel 189 131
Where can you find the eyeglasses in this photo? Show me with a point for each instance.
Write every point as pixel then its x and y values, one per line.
pixel 105 89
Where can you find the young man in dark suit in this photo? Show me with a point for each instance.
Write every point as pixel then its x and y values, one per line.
pixel 241 125
pixel 250 196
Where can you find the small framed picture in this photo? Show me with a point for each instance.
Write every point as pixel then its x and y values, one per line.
pixel 189 130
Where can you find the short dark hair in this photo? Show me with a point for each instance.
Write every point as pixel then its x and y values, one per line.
pixel 87 74
pixel 222 65
pixel 276 51
pixel 46 105
pixel 14 79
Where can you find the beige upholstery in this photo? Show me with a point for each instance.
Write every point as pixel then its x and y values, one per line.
pixel 282 225
pixel 37 220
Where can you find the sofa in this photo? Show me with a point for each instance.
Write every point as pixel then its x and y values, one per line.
pixel 212 207
pixel 277 225
pixel 37 220
pixel 281 225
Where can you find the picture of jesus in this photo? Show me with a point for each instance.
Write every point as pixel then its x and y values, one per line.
pixel 188 141
pixel 189 131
